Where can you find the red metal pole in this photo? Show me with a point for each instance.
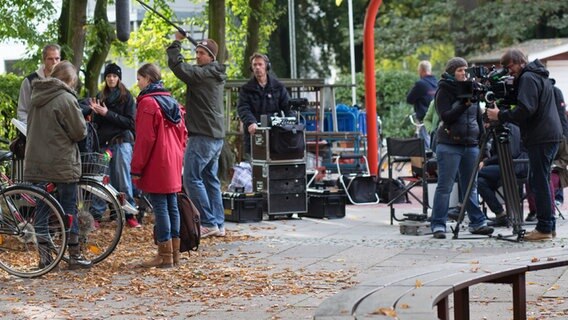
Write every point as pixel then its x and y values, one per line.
pixel 370 91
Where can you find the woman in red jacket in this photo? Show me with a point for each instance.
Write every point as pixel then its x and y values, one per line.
pixel 156 166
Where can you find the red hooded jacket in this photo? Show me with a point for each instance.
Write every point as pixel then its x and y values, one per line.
pixel 159 147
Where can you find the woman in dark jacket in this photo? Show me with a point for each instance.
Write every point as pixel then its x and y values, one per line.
pixel 114 112
pixel 457 150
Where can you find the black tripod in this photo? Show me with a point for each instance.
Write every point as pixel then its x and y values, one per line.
pixel 500 135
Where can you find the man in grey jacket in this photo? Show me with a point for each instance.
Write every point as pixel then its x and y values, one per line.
pixel 50 56
pixel 204 121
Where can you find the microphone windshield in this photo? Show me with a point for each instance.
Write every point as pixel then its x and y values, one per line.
pixel 122 20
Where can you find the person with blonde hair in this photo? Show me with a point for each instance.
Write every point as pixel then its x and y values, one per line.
pixel 55 126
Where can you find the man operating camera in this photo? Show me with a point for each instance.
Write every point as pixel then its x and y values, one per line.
pixel 541 132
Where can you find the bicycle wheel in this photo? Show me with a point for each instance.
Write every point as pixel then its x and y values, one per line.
pixel 33 235
pixel 101 220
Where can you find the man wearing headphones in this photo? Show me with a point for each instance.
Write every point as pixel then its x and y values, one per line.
pixel 262 94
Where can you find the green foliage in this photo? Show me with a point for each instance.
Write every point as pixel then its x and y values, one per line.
pixel 9 92
pixel 238 13
pixel 395 121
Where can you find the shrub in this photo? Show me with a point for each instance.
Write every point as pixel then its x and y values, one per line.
pixel 9 93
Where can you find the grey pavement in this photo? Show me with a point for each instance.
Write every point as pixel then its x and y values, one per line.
pixel 274 269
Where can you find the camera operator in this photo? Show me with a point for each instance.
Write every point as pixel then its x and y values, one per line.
pixel 457 150
pixel 262 94
pixel 537 117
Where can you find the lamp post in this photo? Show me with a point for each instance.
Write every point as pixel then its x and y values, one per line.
pixel 292 33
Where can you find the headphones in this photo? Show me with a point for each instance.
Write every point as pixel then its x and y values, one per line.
pixel 259 55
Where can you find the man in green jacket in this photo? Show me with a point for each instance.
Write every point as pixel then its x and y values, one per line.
pixel 204 120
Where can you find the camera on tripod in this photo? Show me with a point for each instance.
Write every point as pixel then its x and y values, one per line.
pixel 488 85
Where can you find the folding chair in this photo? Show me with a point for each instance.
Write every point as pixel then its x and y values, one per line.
pixel 409 150
pixel 359 186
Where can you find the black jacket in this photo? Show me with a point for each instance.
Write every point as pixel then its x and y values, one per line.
pixel 255 101
pixel 461 121
pixel 118 123
pixel 518 151
pixel 535 112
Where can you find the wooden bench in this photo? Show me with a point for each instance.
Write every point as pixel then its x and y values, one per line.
pixel 424 293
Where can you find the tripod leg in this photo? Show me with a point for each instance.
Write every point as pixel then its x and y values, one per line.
pixel 469 188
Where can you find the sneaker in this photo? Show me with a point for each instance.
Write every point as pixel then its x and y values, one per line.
pixel 531 217
pixel 209 231
pixel 439 235
pixel 483 230
pixel 536 235
pixel 133 223
pixel 500 221
pixel 221 232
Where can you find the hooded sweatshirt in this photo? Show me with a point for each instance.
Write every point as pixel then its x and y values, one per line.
pixel 55 125
pixel 535 112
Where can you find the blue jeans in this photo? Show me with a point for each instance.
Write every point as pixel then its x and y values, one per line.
pixel 67 198
pixel 166 213
pixel 540 162
pixel 201 163
pixel 119 172
pixel 460 161
pixel 488 181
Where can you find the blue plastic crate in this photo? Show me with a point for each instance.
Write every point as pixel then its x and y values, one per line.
pixel 346 121
pixel 362 122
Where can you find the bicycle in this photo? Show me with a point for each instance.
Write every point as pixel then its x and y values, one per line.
pixel 33 227
pixel 97 239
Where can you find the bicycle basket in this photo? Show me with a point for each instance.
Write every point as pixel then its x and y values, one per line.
pixel 94 164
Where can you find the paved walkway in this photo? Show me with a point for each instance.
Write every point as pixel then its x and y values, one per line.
pixel 281 269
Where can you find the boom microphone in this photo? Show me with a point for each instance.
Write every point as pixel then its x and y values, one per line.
pixel 122 20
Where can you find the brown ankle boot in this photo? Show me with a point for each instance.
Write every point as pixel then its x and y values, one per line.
pixel 175 250
pixel 163 259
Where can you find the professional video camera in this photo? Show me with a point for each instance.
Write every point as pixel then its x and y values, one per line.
pixel 298 104
pixel 489 86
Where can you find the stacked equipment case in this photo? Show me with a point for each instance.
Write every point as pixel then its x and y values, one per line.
pixel 279 167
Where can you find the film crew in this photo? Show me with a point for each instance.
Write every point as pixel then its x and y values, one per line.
pixel 457 150
pixel 559 173
pixel 205 123
pixel 421 95
pixel 541 131
pixel 489 176
pixel 263 94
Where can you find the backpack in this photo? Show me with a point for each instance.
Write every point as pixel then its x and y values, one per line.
pixel 190 224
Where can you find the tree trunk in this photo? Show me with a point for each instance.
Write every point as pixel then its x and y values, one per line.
pixel 105 35
pixel 77 31
pixel 63 28
pixel 253 35
pixel 217 27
